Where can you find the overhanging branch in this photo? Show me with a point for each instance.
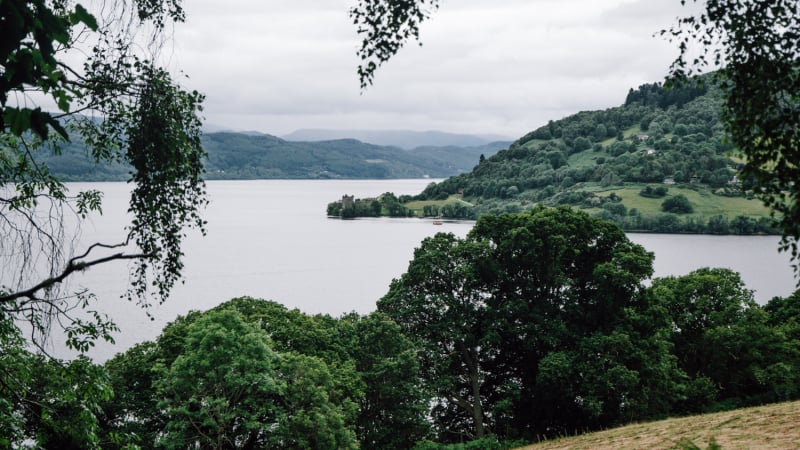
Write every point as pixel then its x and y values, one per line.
pixel 72 266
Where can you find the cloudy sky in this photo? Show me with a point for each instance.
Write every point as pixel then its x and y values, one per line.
pixel 486 66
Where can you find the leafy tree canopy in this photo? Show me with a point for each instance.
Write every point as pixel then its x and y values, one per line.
pixel 260 375
pixel 493 312
pixel 677 204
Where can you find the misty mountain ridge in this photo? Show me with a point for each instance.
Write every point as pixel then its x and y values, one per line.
pixel 406 139
pixel 254 155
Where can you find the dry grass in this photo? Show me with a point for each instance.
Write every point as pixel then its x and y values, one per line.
pixel 769 427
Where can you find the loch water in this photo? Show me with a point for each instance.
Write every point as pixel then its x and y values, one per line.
pixel 271 239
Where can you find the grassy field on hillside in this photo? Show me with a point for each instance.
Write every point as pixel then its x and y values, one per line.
pixel 417 205
pixel 705 203
pixel 769 427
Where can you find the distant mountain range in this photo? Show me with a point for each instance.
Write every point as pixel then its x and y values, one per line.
pixel 252 155
pixel 399 138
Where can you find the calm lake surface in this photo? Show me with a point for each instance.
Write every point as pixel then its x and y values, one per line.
pixel 271 239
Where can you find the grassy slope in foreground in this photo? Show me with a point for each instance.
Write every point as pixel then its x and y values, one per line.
pixel 761 427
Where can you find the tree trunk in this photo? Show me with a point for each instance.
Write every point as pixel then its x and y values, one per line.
pixel 470 358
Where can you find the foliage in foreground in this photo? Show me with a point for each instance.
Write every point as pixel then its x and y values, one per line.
pixel 253 374
pixel 535 325
pixel 100 67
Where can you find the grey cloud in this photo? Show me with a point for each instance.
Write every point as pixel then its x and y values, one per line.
pixel 495 67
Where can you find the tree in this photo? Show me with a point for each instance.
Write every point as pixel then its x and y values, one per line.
pixel 702 300
pixel 221 391
pixel 374 368
pixel 440 302
pixel 581 144
pixel 757 45
pixel 651 192
pixel 677 204
pixel 228 389
pixel 123 106
pixel 392 411
pixel 725 343
pixel 521 295
pixel 562 276
pixel 292 331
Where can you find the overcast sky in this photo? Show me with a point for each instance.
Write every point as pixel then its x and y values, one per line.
pixel 486 66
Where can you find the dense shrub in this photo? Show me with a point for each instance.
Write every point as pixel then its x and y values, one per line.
pixel 678 204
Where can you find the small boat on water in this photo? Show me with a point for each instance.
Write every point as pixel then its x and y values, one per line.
pixel 438 222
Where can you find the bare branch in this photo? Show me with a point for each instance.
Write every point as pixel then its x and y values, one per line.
pixel 71 267
pixel 75 259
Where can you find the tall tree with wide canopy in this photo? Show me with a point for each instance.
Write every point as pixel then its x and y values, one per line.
pixel 494 310
pixel 227 388
pixel 373 365
pixel 562 277
pixel 441 302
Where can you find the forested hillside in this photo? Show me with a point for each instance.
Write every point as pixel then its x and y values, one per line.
pixel 659 162
pixel 405 139
pixel 240 156
pixel 262 156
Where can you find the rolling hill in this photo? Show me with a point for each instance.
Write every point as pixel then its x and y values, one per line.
pixel 237 156
pixel 262 156
pixel 406 139
pixel 659 162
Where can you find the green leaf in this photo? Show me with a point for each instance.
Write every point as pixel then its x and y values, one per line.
pixel 57 127
pixel 82 15
pixel 18 120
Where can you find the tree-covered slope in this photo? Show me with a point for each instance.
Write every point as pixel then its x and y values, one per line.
pixel 622 164
pixel 262 156
pixel 233 155
pixel 405 139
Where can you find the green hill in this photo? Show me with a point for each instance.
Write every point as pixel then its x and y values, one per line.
pixel 621 164
pixel 235 155
pixel 262 156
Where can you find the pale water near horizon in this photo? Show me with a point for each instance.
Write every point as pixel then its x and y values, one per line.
pixel 271 239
